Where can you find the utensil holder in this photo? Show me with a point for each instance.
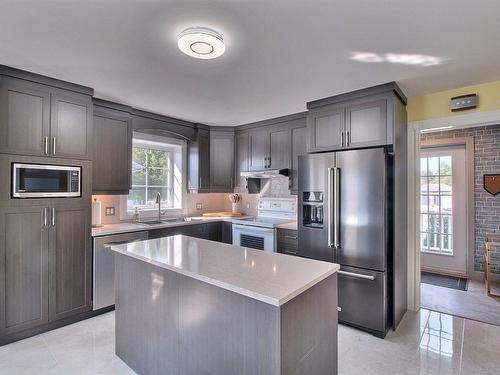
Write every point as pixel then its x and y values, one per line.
pixel 235 207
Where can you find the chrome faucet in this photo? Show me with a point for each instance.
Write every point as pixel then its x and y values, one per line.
pixel 158 202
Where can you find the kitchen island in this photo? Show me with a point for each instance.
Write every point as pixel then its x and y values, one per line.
pixel 192 306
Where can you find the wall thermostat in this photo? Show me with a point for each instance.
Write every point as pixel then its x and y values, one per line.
pixel 460 103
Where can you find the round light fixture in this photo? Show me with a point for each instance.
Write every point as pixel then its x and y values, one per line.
pixel 201 42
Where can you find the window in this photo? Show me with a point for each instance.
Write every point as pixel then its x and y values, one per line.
pixel 157 167
pixel 436 224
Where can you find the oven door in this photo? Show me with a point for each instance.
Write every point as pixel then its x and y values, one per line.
pixel 39 181
pixel 254 237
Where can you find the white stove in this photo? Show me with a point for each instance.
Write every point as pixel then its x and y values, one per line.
pixel 260 232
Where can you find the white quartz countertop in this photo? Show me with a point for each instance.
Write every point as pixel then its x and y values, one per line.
pixel 268 277
pixel 137 227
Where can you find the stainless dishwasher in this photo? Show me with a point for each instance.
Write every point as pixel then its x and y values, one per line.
pixel 104 266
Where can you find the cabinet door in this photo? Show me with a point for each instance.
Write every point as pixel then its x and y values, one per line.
pixel 71 125
pixel 24 117
pixel 299 147
pixel 214 231
pixel 279 147
pixel 112 151
pixel 258 149
pixel 227 232
pixel 241 164
pixel 221 161
pixel 70 261
pixel 326 129
pixel 204 163
pixel 24 269
pixel 367 124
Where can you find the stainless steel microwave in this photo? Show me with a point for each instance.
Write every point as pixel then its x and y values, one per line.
pixel 45 181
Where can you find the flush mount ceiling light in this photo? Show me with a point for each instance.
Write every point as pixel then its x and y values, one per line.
pixel 201 42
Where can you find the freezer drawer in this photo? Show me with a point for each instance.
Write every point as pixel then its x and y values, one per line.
pixel 363 299
pixel 104 266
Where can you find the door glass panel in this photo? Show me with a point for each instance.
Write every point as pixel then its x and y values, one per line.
pixel 436 196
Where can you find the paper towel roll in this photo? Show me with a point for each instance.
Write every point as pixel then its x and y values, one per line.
pixel 96 213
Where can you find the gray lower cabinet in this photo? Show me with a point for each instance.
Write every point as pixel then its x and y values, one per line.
pixel 24 268
pixel 45 265
pixel 199 162
pixel 287 241
pixel 213 231
pixel 227 232
pixel 221 161
pixel 192 230
pixel 70 261
pixel 112 151
pixel 42 120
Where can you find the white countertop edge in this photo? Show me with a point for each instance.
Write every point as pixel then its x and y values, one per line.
pixel 232 288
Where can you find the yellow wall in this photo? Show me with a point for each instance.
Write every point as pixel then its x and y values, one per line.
pixel 437 104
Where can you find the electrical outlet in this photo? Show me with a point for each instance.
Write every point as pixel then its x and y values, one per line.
pixel 248 205
pixel 110 211
pixel 198 206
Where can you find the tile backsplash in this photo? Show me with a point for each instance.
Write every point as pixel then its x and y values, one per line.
pixel 276 187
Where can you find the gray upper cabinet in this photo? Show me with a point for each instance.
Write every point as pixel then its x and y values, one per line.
pixel 258 149
pixel 221 160
pixel 299 147
pixel 199 162
pixel 279 147
pixel 112 151
pixel 24 117
pixel 71 125
pixel 366 124
pixel 363 118
pixel 50 118
pixel 24 269
pixel 241 160
pixel 326 129
pixel 70 261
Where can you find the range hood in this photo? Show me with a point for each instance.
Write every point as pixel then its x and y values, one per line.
pixel 267 173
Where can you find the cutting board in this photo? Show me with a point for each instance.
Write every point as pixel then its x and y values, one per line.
pixel 222 214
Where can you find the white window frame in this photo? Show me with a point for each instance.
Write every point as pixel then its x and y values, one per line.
pixel 178 156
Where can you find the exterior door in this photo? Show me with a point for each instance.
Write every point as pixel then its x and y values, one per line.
pixel 443 213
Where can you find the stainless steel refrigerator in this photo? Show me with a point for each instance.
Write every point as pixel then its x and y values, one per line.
pixel 346 216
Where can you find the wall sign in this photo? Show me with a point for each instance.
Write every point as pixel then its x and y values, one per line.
pixel 491 183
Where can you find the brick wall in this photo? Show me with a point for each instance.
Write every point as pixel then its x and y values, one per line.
pixel 487 206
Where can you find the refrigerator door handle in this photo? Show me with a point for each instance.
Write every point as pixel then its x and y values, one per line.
pixel 357 275
pixel 336 204
pixel 330 224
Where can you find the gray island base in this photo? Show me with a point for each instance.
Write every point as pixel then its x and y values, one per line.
pixel 190 306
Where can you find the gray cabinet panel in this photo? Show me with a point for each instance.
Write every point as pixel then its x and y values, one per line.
pixel 213 231
pixel 71 125
pixel 258 149
pixel 366 124
pixel 326 129
pixel 299 147
pixel 288 241
pixel 227 232
pixel 279 147
pixel 112 151
pixel 70 257
pixel 199 162
pixel 241 160
pixel 24 117
pixel 23 269
pixel 221 160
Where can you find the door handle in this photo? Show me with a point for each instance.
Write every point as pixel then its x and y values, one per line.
pixel 348 138
pixel 46 145
pixel 269 162
pixel 336 203
pixel 45 216
pixel 290 237
pixel 53 145
pixel 330 207
pixel 53 217
pixel 342 138
pixel 357 275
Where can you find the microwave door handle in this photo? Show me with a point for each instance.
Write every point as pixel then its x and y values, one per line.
pixel 336 202
pixel 331 214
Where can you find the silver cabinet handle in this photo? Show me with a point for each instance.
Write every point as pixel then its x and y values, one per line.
pixel 46 145
pixel 45 216
pixel 342 138
pixel 290 237
pixel 269 162
pixel 357 275
pixel 348 138
pixel 199 182
pixel 53 145
pixel 53 217
pixel 336 203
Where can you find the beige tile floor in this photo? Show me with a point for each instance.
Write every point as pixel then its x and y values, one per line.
pixel 471 304
pixel 425 343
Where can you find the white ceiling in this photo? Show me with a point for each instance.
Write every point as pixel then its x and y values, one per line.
pixel 280 53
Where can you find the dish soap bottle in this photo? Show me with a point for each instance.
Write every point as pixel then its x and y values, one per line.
pixel 135 217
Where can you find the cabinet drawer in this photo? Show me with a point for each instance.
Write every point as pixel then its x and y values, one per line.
pixel 363 298
pixel 287 241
